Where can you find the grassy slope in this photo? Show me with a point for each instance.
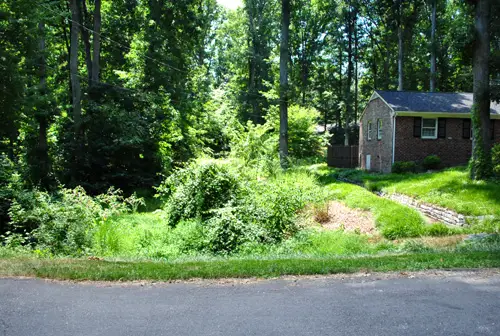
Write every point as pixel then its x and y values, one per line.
pixel 322 253
pixel 77 269
pixel 451 188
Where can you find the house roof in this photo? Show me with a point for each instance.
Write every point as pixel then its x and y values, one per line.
pixel 407 101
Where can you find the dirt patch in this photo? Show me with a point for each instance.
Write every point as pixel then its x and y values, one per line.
pixel 343 217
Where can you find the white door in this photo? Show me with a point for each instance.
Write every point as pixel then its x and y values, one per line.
pixel 368 162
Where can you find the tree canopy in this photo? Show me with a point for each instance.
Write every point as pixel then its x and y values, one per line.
pixel 102 93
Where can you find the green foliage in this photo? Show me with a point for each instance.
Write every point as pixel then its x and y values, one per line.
pixel 254 145
pixel 236 210
pixel 65 223
pixel 7 191
pixel 440 230
pixel 495 158
pixel 194 191
pixel 431 162
pixel 401 167
pixel 303 139
pixel 412 246
pixel 227 231
pixel 490 243
pixel 341 243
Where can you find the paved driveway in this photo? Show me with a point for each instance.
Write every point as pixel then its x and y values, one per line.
pixel 444 303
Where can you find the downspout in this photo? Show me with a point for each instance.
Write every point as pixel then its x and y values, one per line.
pixel 393 137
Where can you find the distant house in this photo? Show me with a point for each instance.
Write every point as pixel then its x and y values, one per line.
pixel 409 126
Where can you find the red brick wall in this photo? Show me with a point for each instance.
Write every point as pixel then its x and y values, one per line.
pixel 453 150
pixel 380 150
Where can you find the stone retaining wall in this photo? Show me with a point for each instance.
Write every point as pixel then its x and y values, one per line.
pixel 441 214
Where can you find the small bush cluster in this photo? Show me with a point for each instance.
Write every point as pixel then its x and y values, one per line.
pixel 65 223
pixel 495 158
pixel 402 167
pixel 431 162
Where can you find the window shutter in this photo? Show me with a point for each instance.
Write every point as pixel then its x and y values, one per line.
pixel 417 127
pixel 441 128
pixel 466 123
pixel 492 129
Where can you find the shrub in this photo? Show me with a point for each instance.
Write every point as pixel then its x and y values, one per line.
pixel 226 231
pixel 66 222
pixel 431 162
pixel 441 230
pixel 193 192
pixel 412 246
pixel 257 143
pixel 10 185
pixel 401 167
pixel 495 157
pixel 303 138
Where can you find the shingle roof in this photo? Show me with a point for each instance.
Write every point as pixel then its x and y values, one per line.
pixel 402 101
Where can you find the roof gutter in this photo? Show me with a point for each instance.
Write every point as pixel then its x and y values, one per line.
pixel 439 114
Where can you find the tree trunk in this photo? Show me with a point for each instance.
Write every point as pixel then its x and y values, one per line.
pixel 433 47
pixel 82 14
pixel 341 91
pixel 96 43
pixel 400 46
pixel 42 149
pixel 350 71
pixel 387 75
pixel 481 150
pixel 356 65
pixel 75 84
pixel 285 26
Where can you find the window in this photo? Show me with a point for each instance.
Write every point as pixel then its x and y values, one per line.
pixel 370 130
pixel 380 132
pixel 429 128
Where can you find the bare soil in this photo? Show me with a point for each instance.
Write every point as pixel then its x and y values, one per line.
pixel 342 217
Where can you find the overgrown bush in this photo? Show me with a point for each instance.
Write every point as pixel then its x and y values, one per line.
pixel 401 167
pixel 6 191
pixel 199 188
pixel 495 158
pixel 65 223
pixel 431 162
pixel 255 144
pixel 303 138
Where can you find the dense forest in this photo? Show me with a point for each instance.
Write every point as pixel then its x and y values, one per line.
pixel 121 93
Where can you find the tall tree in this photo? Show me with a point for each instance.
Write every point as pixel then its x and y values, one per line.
pixel 481 147
pixel 400 46
pixel 433 45
pixel 285 29
pixel 96 51
pixel 76 92
pixel 42 167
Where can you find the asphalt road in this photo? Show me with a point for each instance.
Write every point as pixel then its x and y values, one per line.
pixel 463 303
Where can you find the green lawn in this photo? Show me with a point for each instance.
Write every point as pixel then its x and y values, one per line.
pixel 79 269
pixel 451 188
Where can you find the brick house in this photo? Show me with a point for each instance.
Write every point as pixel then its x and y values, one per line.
pixel 409 126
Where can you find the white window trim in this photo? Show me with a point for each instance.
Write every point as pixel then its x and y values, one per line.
pixel 370 130
pixel 380 125
pixel 432 137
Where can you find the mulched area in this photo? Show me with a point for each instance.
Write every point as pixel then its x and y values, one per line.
pixel 342 217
